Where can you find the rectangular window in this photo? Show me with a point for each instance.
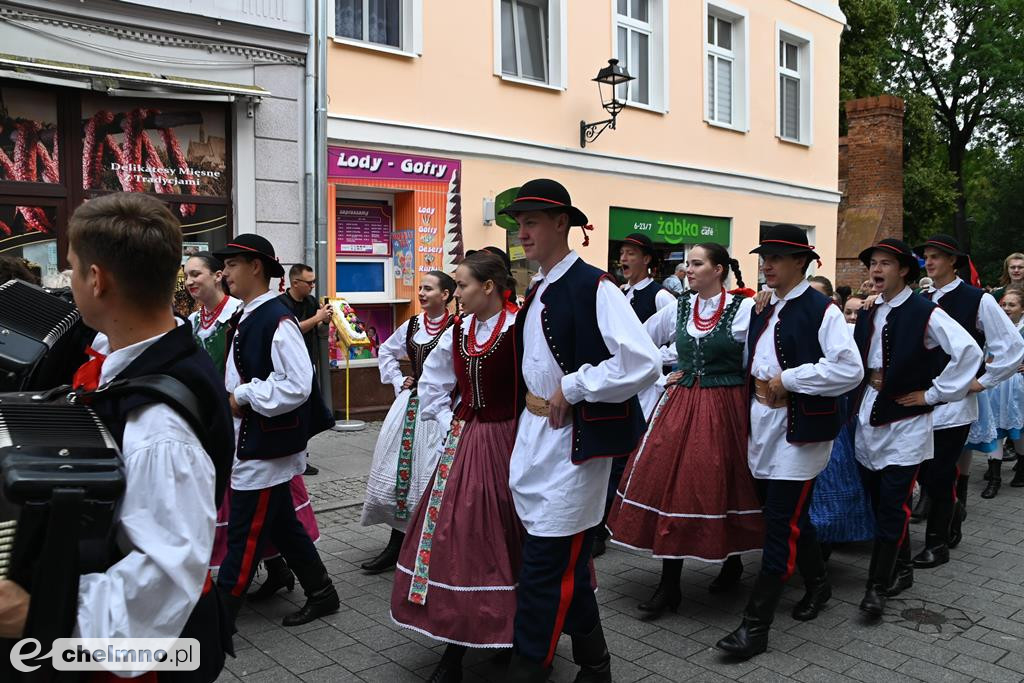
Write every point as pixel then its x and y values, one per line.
pixel 387 23
pixel 640 46
pixel 794 87
pixel 725 47
pixel 524 39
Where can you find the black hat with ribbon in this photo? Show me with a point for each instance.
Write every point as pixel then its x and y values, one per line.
pixel 946 244
pixel 253 245
pixel 784 239
pixel 543 194
pixel 898 248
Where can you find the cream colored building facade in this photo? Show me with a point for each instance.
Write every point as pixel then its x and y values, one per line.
pixel 731 124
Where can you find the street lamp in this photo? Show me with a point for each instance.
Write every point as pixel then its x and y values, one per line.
pixel 608 79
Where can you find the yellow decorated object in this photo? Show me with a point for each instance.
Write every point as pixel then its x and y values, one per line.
pixel 351 331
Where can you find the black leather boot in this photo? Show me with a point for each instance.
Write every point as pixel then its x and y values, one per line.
pixel 903 575
pixel 449 669
pixel 883 563
pixel 523 670
pixel 751 638
pixel 961 492
pixel 278 577
pixel 590 652
pixel 321 597
pixel 935 552
pixel 995 479
pixel 1018 476
pixel 729 576
pixel 231 605
pixel 819 590
pixel 956 525
pixel 388 557
pixel 600 546
pixel 666 597
pixel 921 509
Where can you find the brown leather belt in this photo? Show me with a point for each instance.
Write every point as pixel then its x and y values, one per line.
pixel 761 395
pixel 537 405
pixel 875 379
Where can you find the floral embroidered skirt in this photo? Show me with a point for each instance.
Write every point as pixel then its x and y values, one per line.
pixel 303 511
pixel 687 491
pixel 475 549
pixel 383 502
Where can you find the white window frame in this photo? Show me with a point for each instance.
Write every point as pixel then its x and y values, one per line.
pixel 412 30
pixel 557 47
pixel 658 46
pixel 345 193
pixel 741 63
pixel 805 65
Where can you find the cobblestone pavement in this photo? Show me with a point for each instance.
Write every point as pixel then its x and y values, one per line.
pixel 960 622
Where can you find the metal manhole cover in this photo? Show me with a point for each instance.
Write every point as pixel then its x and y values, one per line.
pixel 931 618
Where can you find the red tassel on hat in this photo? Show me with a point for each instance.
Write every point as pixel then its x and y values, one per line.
pixel 586 237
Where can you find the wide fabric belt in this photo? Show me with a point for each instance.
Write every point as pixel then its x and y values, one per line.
pixel 761 395
pixel 537 405
pixel 875 379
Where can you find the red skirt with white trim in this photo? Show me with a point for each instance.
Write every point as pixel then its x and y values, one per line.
pixel 476 549
pixel 687 491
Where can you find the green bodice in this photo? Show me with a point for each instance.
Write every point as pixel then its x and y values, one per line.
pixel 716 358
pixel 215 344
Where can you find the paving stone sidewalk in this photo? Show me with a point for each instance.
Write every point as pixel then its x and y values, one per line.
pixel 963 621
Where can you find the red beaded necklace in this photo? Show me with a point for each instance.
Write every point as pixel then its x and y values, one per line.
pixel 208 318
pixel 705 324
pixel 477 350
pixel 434 328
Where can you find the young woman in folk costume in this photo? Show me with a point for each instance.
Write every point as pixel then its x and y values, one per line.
pixel 409 445
pixel 458 565
pixel 203 280
pixel 687 492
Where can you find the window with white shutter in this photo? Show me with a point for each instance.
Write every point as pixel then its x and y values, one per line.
pixel 640 46
pixel 725 78
pixel 793 67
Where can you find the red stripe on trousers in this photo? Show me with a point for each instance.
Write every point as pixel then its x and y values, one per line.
pixel 956 476
pixel 906 507
pixel 565 598
pixel 250 544
pixel 794 530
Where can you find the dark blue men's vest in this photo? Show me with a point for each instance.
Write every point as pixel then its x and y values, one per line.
pixel 962 304
pixel 644 301
pixel 903 349
pixel 569 322
pixel 810 418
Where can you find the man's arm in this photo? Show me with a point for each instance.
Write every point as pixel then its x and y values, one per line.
pixel 839 371
pixel 290 383
pixel 1002 342
pixel 965 357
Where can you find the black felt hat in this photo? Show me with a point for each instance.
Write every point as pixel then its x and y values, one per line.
pixel 543 194
pixel 253 245
pixel 897 248
pixel 947 244
pixel 784 239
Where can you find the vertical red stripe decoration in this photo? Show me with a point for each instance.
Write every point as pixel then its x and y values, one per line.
pixel 250 544
pixel 794 529
pixel 565 598
pixel 906 507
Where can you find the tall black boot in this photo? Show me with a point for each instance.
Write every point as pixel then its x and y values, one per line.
pixel 667 595
pixel 601 536
pixel 449 670
pixel 1018 473
pixel 815 576
pixel 388 557
pixel 523 670
pixel 590 652
pixel 729 576
pixel 995 479
pixel 936 537
pixel 903 576
pixel 278 577
pixel 751 638
pixel 231 605
pixel 883 562
pixel 321 597
pixel 922 508
pixel 961 492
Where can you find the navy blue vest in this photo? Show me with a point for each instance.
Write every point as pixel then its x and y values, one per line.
pixel 644 301
pixel 569 320
pixel 810 418
pixel 262 437
pixel 962 304
pixel 902 350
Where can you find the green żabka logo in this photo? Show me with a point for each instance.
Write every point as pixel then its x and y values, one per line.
pixel 675 230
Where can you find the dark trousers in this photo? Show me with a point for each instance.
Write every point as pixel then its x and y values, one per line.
pixel 940 479
pixel 788 531
pixel 258 517
pixel 555 594
pixel 890 490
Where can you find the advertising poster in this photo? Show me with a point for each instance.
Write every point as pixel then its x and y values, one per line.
pixel 379 323
pixel 402 249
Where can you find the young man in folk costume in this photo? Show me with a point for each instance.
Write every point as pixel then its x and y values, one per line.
pixel 125 253
pixel 800 358
pixel 896 402
pixel 277 408
pixel 979 314
pixel 584 356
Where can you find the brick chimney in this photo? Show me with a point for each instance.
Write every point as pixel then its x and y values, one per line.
pixel 871 180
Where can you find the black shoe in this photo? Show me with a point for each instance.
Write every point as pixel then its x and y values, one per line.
pixel 935 553
pixel 278 577
pixel 922 508
pixel 388 557
pixel 729 576
pixel 901 580
pixel 751 638
pixel 884 557
pixel 956 525
pixel 311 470
pixel 446 672
pixel 1009 451
pixel 1018 478
pixel 666 597
pixel 590 652
pixel 873 603
pixel 819 590
pixel 522 670
pixel 321 598
pixel 994 477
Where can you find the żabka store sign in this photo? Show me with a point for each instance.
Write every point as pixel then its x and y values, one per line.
pixel 348 162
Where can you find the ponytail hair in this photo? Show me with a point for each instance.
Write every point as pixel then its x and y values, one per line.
pixel 446 282
pixel 719 256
